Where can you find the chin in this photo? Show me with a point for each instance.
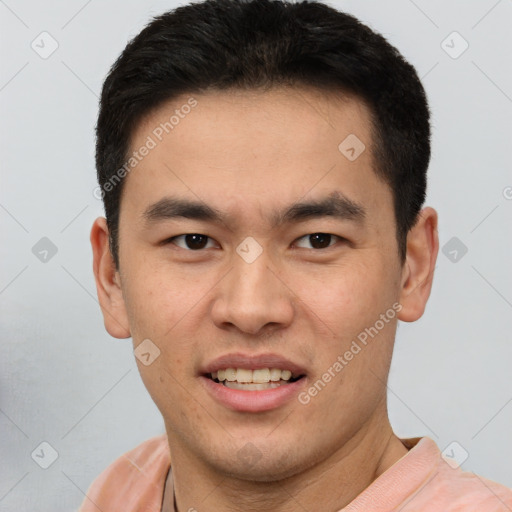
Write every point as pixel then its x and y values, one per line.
pixel 264 473
pixel 251 464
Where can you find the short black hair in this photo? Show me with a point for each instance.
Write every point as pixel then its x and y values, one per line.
pixel 257 44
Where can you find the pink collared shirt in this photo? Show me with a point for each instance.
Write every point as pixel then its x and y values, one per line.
pixel 421 481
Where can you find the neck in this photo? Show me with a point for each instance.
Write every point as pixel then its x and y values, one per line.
pixel 338 479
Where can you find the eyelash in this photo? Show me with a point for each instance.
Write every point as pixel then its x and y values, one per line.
pixel 172 239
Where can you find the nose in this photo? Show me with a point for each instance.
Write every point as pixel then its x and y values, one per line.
pixel 253 298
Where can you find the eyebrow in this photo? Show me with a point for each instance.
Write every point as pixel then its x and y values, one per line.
pixel 335 205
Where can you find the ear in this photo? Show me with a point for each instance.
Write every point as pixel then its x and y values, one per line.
pixel 418 269
pixel 108 282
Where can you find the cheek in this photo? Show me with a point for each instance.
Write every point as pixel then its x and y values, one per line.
pixel 346 305
pixel 157 300
pixel 343 295
pixel 162 385
pixel 163 307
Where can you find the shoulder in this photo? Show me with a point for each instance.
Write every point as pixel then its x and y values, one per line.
pixel 133 480
pixel 470 492
pixel 449 488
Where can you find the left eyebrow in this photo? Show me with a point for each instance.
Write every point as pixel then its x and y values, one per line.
pixel 335 205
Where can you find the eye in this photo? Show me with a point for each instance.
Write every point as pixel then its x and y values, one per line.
pixel 191 241
pixel 319 240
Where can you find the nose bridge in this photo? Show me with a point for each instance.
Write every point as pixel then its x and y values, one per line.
pixel 252 296
pixel 252 279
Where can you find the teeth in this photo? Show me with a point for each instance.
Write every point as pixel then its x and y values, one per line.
pixel 286 374
pixel 258 376
pixel 243 375
pixel 252 386
pixel 275 374
pixel 230 374
pixel 262 375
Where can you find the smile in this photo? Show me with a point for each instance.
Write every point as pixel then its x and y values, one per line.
pixel 253 380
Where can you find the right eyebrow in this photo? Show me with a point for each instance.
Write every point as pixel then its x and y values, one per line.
pixel 171 208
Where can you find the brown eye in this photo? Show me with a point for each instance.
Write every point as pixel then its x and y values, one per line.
pixel 192 241
pixel 319 240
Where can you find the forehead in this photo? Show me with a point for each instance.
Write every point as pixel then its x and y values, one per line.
pixel 286 119
pixel 236 148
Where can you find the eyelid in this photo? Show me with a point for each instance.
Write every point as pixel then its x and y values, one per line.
pixel 340 239
pixel 172 239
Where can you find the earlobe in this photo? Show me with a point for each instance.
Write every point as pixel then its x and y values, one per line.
pixel 107 280
pixel 418 269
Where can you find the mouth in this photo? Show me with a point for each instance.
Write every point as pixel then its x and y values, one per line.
pixel 253 383
pixel 258 379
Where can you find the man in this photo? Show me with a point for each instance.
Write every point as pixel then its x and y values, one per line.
pixel 263 169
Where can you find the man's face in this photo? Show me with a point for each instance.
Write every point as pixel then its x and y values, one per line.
pixel 256 283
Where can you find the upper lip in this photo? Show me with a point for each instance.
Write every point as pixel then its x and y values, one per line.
pixel 253 362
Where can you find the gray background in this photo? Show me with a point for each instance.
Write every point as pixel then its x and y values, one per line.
pixel 65 381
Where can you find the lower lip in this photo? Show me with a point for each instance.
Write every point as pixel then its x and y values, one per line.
pixel 253 401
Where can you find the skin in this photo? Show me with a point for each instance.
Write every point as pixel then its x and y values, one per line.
pixel 250 153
